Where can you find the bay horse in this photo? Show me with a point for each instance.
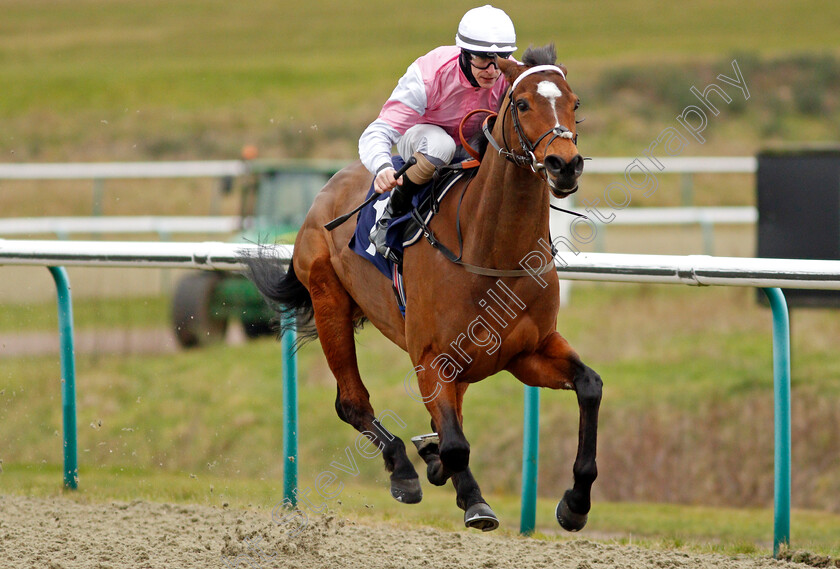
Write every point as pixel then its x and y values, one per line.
pixel 503 216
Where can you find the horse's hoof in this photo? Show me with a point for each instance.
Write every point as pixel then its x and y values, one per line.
pixel 567 519
pixel 407 490
pixel 480 516
pixel 436 473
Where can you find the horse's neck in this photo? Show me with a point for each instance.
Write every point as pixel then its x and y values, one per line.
pixel 505 213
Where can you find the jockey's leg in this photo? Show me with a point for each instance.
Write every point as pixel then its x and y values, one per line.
pixel 432 147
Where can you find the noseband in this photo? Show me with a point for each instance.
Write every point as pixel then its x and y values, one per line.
pixel 527 159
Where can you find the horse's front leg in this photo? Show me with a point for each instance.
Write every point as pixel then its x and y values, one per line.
pixel 557 366
pixel 448 454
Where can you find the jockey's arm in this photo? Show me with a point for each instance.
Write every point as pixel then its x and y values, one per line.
pixel 375 152
pixel 401 111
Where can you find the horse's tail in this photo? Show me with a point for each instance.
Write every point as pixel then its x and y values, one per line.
pixel 283 292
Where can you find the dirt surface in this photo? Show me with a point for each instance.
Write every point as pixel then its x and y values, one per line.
pixel 59 533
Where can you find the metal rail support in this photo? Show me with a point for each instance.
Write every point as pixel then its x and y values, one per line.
pixel 68 392
pixel 68 377
pixel 530 460
pixel 290 408
pixel 781 412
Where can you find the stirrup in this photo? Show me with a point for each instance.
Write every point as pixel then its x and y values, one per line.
pixel 377 239
pixel 377 234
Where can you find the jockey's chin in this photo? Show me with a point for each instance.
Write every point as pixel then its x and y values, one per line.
pixel 486 80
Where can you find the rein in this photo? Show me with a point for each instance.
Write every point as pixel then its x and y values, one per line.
pixel 475 269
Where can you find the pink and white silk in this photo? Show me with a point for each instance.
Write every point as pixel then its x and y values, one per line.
pixel 435 91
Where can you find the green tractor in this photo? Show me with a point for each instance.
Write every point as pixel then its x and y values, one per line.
pixel 275 199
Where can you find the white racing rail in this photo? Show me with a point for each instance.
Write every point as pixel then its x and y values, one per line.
pixel 168 224
pixel 706 217
pixel 730 215
pixel 700 270
pixel 209 255
pixel 219 168
pixel 122 170
pixel 664 269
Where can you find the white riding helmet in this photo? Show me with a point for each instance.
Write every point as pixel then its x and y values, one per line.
pixel 486 30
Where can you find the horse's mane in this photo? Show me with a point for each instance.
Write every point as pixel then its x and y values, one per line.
pixel 545 55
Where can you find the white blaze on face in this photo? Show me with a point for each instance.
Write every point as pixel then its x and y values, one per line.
pixel 551 92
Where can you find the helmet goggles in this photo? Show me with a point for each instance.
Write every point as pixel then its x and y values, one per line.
pixel 483 60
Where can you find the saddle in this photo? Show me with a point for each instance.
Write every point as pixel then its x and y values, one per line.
pixel 406 230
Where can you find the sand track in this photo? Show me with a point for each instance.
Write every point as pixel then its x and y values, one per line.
pixel 60 533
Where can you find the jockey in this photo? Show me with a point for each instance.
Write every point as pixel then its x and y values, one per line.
pixel 423 112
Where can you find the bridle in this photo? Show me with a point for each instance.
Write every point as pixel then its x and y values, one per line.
pixel 527 159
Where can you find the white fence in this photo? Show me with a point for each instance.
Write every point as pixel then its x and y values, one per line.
pixel 162 225
pixel 123 170
pixel 213 169
pixel 130 254
pixel 695 270
pixel 165 226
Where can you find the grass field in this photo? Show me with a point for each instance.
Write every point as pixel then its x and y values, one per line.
pixel 121 80
pixel 105 81
pixel 101 81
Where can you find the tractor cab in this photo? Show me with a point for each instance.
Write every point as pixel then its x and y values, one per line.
pixel 275 197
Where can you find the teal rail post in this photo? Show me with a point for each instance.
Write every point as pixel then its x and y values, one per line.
pixel 530 461
pixel 68 376
pixel 781 390
pixel 290 407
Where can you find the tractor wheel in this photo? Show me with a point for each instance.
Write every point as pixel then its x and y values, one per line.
pixel 196 321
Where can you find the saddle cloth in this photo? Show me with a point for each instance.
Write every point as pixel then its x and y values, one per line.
pixel 402 231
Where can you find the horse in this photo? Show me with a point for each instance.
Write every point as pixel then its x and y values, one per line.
pixel 501 218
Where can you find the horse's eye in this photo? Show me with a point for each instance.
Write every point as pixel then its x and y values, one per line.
pixel 577 104
pixel 522 105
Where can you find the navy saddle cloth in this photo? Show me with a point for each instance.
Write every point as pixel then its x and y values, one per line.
pixel 402 231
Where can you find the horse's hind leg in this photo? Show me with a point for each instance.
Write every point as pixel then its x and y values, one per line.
pixel 333 318
pixel 557 366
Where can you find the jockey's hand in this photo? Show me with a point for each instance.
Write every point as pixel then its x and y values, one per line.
pixel 385 181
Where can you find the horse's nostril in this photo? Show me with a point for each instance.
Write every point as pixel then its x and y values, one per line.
pixel 577 164
pixel 557 167
pixel 554 164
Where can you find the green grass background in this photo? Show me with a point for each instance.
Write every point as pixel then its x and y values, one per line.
pixel 122 79
pixel 688 370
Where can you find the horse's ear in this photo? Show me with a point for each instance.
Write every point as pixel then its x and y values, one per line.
pixel 510 68
pixel 563 67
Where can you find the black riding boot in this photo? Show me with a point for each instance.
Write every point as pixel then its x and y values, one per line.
pixel 398 205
